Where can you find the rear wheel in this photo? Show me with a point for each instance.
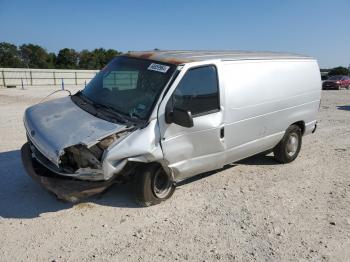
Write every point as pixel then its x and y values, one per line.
pixel 153 185
pixel 288 148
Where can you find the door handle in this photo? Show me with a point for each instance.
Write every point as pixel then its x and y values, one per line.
pixel 222 132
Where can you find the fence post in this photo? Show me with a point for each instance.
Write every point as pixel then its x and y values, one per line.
pixel 3 78
pixel 31 77
pixel 76 79
pixel 62 84
pixel 54 78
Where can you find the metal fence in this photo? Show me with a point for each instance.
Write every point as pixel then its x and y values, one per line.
pixel 13 77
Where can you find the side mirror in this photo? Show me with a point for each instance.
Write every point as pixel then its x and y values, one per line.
pixel 179 116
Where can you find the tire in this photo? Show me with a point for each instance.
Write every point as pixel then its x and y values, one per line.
pixel 289 147
pixel 152 185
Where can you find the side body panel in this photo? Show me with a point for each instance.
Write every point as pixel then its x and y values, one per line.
pixel 262 98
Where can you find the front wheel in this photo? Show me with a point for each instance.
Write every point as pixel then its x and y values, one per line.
pixel 288 148
pixel 153 185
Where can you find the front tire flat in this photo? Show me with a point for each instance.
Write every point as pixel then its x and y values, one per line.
pixel 152 185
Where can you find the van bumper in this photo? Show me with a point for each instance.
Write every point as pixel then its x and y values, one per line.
pixel 310 127
pixel 64 188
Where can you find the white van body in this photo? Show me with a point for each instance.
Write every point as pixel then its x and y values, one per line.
pixel 260 95
pixel 259 99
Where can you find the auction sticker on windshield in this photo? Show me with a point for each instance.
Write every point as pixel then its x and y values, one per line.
pixel 158 68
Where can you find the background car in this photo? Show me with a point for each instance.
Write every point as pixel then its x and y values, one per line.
pixel 336 82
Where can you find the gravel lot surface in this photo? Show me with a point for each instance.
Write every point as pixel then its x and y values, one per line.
pixel 255 210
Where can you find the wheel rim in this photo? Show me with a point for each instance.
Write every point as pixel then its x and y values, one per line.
pixel 162 184
pixel 292 144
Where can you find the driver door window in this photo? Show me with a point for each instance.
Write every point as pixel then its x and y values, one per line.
pixel 198 91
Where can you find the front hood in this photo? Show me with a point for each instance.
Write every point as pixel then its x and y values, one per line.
pixel 54 125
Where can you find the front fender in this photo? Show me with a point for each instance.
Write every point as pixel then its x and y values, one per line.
pixel 142 145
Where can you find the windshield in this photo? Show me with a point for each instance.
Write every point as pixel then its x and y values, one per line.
pixel 130 86
pixel 335 78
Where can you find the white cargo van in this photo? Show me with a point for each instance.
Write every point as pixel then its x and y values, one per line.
pixel 161 117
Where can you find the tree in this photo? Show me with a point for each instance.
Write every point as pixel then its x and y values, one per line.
pixel 67 59
pixel 338 71
pixel 9 55
pixel 97 58
pixel 52 60
pixel 86 60
pixel 110 54
pixel 34 56
pixel 100 57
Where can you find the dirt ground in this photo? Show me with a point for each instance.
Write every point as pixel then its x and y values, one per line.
pixel 255 210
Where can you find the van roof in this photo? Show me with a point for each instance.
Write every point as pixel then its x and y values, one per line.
pixel 186 56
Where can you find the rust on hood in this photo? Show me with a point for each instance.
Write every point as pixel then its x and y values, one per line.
pixel 65 189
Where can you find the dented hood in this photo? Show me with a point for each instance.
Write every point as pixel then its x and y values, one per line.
pixel 54 125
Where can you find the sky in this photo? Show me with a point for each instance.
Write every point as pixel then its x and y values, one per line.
pixel 319 28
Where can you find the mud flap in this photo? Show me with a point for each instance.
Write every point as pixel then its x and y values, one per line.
pixel 65 189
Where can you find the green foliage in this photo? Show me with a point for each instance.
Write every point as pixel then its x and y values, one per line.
pixel 9 55
pixel 96 59
pixel 67 58
pixel 86 60
pixel 34 56
pixel 52 60
pixel 338 71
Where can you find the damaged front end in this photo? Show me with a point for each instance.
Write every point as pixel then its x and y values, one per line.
pixel 79 161
pixel 80 173
pixel 69 141
pixel 85 163
pixel 67 146
pixel 66 189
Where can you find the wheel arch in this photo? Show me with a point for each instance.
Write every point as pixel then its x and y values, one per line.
pixel 301 125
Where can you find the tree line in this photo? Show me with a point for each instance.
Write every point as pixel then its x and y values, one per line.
pixel 35 56
pixel 338 71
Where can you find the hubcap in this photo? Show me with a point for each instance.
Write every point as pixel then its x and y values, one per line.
pixel 161 184
pixel 292 144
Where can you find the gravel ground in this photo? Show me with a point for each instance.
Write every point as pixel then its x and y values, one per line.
pixel 255 210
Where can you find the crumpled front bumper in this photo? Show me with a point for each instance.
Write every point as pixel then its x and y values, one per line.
pixel 64 188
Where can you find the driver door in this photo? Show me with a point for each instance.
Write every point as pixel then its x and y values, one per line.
pixel 190 151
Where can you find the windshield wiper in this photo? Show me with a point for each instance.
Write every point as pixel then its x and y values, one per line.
pixel 111 110
pixel 106 109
